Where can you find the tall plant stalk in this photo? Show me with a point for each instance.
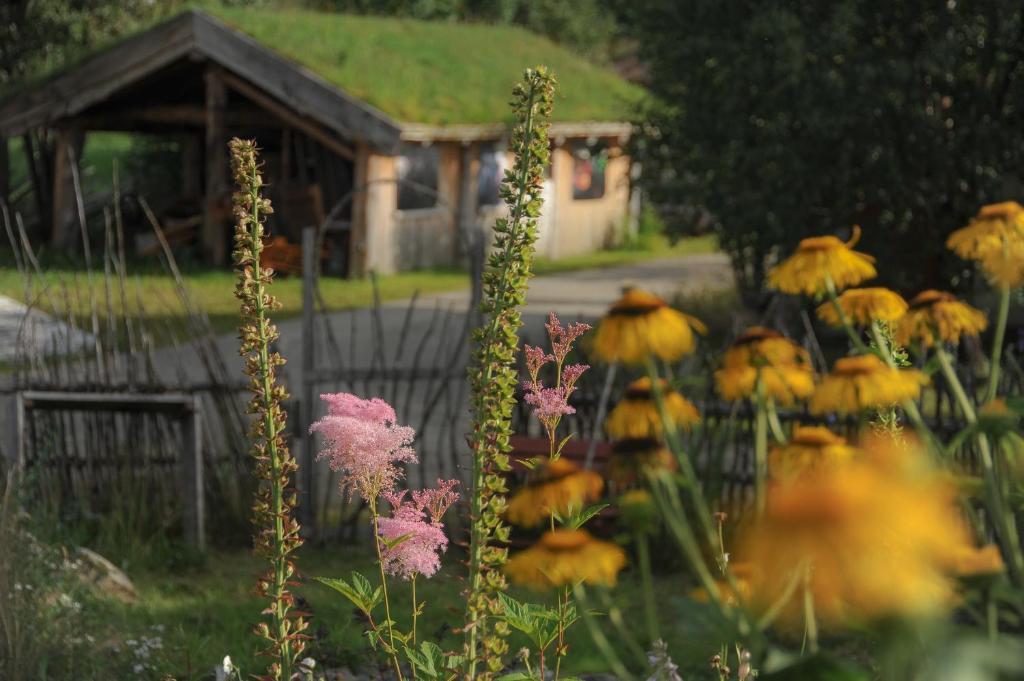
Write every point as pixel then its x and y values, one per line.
pixel 493 373
pixel 276 530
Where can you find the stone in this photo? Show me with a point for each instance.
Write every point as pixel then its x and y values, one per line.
pixel 103 576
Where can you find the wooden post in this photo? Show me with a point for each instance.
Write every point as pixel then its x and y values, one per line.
pixel 358 234
pixel 192 497
pixel 5 172
pixel 67 150
pixel 306 409
pixel 214 239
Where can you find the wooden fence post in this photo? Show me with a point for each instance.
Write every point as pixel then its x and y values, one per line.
pixel 307 513
pixel 193 487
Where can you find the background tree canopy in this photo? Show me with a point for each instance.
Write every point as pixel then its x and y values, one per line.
pixel 782 119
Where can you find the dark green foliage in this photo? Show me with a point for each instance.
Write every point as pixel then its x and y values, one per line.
pixel 786 119
pixel 38 33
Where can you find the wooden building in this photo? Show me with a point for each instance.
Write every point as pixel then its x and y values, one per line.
pixel 398 164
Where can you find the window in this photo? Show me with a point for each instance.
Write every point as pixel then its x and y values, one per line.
pixel 417 177
pixel 493 163
pixel 588 169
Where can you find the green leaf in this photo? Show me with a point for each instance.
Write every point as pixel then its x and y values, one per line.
pixel 358 591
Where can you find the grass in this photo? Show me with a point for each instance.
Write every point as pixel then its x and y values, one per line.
pixel 207 612
pixel 654 246
pixel 213 290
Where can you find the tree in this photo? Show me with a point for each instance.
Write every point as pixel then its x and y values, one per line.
pixel 784 119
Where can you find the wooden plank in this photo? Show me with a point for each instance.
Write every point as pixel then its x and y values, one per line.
pixel 282 112
pixel 213 237
pixel 125 402
pixel 307 93
pixel 176 116
pixel 60 192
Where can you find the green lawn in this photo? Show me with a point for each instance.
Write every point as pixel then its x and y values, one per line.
pixel 154 292
pixel 207 612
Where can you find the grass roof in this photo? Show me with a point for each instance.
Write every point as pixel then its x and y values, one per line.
pixel 434 72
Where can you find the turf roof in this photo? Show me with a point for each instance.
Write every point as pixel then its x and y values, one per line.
pixel 424 72
pixel 434 72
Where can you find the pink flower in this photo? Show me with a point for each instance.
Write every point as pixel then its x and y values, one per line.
pixel 562 338
pixel 535 359
pixel 412 544
pixel 436 502
pixel 347 404
pixel 364 444
pixel 570 374
pixel 549 403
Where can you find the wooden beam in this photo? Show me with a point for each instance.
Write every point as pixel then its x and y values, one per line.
pixel 254 94
pixel 213 237
pixel 176 116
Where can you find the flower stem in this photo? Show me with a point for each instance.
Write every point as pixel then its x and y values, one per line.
pixel 760 446
pixel 997 343
pixel 643 552
pixel 810 620
pixel 843 319
pixel 1002 516
pixel 384 586
pixel 415 611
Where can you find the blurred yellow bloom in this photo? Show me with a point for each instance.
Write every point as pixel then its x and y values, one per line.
pixel 632 457
pixel 556 486
pixel 995 240
pixel 636 414
pixel 810 448
pixel 783 365
pixel 641 324
pixel 876 537
pixel 865 382
pixel 741 575
pixel 864 305
pixel 565 557
pixel 936 314
pixel 972 562
pixel 818 260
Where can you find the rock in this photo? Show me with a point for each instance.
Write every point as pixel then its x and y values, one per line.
pixel 105 577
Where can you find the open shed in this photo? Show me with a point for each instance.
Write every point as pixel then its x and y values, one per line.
pixel 390 132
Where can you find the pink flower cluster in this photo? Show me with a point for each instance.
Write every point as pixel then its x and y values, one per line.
pixel 551 403
pixel 413 537
pixel 364 443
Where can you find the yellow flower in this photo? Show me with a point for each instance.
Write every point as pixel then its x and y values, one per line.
pixel 936 314
pixel 631 457
pixel 565 557
pixel 817 261
pixel 641 324
pixel 557 486
pixel 995 240
pixel 875 538
pixel 636 414
pixel 865 382
pixel 972 562
pixel 864 305
pixel 783 366
pixel 810 448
